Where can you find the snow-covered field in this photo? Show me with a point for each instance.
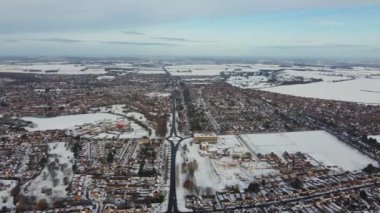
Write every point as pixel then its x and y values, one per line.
pixel 73 68
pixel 6 200
pixel 55 177
pixel 68 121
pixel 319 144
pixel 261 81
pixel 218 173
pixel 204 176
pixel 106 77
pixel 158 94
pixel 359 90
pixel 329 76
pixel 327 73
pixel 119 109
pixel 196 69
pixel 358 84
pixel 61 68
pixel 215 69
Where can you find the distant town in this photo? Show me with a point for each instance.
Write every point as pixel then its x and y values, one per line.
pixel 157 135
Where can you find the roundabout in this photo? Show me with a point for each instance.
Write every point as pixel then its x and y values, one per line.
pixel 174 138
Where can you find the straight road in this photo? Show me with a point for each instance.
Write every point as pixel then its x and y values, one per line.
pixel 174 139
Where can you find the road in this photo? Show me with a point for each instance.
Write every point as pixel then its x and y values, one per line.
pixel 174 139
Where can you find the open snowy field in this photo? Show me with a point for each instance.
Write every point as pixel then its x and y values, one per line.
pixel 60 68
pixel 72 68
pixel 325 72
pixel 67 121
pixel 55 177
pixel 204 176
pixel 196 69
pixel 215 69
pixel 329 76
pixel 262 81
pixel 319 144
pixel 6 200
pixel 359 90
pixel 70 122
pixel 216 173
pixel 106 77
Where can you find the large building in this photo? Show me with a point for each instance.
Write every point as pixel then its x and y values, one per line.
pixel 210 138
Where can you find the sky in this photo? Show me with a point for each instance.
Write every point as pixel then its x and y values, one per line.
pixel 238 28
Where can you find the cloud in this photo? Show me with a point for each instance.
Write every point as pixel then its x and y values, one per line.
pixel 177 39
pixel 58 40
pixel 131 43
pixel 133 33
pixel 138 43
pixel 173 39
pixel 316 46
pixel 348 45
pixel 65 15
pixel 9 40
pixel 164 38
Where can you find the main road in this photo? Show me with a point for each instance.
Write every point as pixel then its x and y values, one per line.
pixel 174 139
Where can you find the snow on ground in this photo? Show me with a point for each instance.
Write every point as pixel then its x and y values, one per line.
pixel 359 90
pixel 215 69
pixel 221 172
pixel 119 109
pixel 232 172
pixel 6 200
pixel 377 137
pixel 205 175
pixel 137 116
pixel 67 121
pixel 359 72
pixel 319 144
pixel 261 81
pixel 253 82
pixel 106 77
pixel 325 72
pixel 196 69
pixel 158 94
pixel 51 179
pixel 138 130
pixel 324 75
pixel 61 68
pixel 217 173
pixel 71 121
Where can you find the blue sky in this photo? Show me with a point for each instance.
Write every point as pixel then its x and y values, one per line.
pixel 294 28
